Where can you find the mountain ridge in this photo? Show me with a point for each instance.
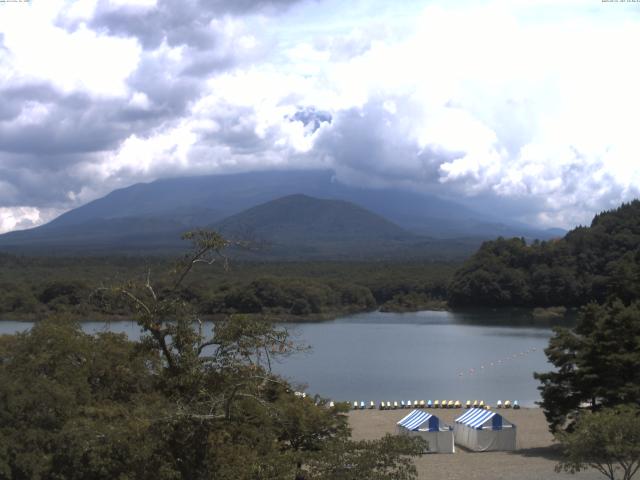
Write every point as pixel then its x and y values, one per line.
pixel 227 194
pixel 154 214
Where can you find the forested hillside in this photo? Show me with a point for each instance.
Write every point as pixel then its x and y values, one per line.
pixel 589 264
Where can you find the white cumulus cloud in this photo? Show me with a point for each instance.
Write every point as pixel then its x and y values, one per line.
pixel 522 108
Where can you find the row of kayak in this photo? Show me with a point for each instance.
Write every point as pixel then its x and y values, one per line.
pixel 432 404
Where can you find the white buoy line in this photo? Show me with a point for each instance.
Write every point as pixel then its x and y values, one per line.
pixel 495 363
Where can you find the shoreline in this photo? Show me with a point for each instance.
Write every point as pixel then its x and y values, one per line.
pixel 533 319
pixel 272 318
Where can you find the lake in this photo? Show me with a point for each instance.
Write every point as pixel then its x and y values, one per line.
pixel 377 356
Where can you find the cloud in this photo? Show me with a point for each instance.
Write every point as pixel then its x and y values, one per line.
pixel 78 61
pixel 525 109
pixel 311 118
pixel 20 218
pixel 493 114
pixel 77 95
pixel 185 23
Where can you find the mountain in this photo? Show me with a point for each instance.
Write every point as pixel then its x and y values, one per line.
pixel 300 218
pixel 207 199
pixel 299 225
pixel 152 215
pixel 302 227
pixel 294 227
pixel 98 236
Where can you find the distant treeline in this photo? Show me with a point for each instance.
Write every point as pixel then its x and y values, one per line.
pixel 592 263
pixel 34 287
pixel 589 264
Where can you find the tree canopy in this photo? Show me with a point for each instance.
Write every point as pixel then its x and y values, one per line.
pixel 589 264
pixel 607 441
pixel 183 403
pixel 34 287
pixel 596 363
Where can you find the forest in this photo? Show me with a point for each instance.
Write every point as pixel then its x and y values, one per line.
pixel 178 404
pixel 33 287
pixel 593 263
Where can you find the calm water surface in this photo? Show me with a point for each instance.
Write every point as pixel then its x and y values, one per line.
pixel 391 356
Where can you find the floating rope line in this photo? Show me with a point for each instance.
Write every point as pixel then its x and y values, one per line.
pixel 486 366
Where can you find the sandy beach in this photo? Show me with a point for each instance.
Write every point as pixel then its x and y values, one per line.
pixel 534 460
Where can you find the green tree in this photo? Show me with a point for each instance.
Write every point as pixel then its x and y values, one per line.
pixel 185 402
pixel 607 441
pixel 385 459
pixel 589 264
pixel 596 363
pixel 71 400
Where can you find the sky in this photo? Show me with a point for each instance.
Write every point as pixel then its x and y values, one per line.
pixel 525 108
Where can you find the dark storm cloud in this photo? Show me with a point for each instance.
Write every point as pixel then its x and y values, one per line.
pixel 180 23
pixel 66 130
pixel 378 144
pixel 374 144
pixel 9 110
pixel 80 123
pixel 202 63
pixel 48 136
pixel 186 24
pixel 168 92
pixel 68 123
pixel 42 180
pixel 236 130
pixel 40 162
pixel 311 118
